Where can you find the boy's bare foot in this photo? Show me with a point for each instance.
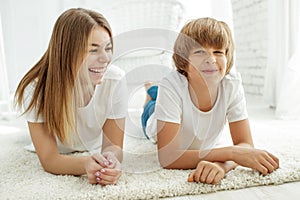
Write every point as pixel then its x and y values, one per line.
pixel 147 85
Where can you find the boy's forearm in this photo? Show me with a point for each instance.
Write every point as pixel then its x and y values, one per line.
pixel 188 159
pixel 116 150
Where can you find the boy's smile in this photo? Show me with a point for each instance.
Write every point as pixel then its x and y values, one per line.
pixel 210 63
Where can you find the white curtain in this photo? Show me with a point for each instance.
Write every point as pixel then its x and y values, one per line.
pixel 4 89
pixel 283 71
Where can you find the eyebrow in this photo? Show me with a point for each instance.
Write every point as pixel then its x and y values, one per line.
pixel 97 45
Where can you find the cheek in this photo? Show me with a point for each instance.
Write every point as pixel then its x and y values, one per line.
pixel 222 62
pixel 91 59
pixel 109 56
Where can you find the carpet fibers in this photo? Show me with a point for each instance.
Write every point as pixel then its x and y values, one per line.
pixel 22 177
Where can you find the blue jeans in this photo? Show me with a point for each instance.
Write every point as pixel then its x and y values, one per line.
pixel 149 108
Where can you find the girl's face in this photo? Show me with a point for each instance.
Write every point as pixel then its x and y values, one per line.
pixel 99 54
pixel 209 63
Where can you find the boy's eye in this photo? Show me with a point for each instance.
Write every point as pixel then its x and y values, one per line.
pixel 199 52
pixel 219 52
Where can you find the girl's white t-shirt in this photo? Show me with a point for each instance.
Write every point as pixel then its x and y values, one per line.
pixel 198 130
pixel 109 101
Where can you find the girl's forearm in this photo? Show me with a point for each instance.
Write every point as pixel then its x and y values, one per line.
pixel 65 164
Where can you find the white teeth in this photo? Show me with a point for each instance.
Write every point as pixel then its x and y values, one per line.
pixel 97 70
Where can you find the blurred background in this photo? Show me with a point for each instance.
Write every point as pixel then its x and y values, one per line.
pixel 266 36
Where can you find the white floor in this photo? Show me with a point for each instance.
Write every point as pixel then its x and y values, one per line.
pixel 261 117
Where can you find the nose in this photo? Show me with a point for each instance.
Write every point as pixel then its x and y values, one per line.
pixel 210 59
pixel 103 57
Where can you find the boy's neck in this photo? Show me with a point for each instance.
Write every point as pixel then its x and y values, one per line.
pixel 202 96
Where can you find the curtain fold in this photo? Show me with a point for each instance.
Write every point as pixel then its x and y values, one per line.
pixel 4 89
pixel 288 106
pixel 282 74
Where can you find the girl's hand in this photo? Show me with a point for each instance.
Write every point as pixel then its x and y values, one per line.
pixel 112 171
pixel 91 167
pixel 260 160
pixel 207 172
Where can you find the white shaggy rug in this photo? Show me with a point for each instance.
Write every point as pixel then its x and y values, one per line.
pixel 22 177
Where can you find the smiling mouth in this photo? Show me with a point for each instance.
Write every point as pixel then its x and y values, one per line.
pixel 98 71
pixel 209 71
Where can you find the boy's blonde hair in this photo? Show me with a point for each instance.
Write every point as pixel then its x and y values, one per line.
pixel 202 32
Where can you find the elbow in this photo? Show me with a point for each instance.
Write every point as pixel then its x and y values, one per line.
pixel 166 161
pixel 48 166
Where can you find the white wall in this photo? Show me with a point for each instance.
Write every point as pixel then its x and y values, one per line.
pixel 27 27
pixel 251 39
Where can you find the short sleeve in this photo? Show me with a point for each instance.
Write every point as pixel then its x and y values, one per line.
pixel 237 108
pixel 168 105
pixel 117 91
pixel 118 99
pixel 27 97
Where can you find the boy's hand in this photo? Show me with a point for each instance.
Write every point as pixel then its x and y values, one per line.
pixel 207 172
pixel 260 160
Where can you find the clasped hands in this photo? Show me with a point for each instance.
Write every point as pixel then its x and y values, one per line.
pixel 103 169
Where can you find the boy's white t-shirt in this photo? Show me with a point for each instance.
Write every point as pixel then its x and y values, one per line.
pixel 109 101
pixel 198 130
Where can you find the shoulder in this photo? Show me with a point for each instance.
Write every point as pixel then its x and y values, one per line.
pixel 174 84
pixel 232 87
pixel 29 90
pixel 114 73
pixel 233 76
pixel 174 79
pixel 232 80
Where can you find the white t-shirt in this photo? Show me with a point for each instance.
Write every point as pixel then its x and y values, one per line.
pixel 109 101
pixel 198 130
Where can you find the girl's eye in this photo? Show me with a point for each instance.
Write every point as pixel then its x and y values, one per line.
pixel 93 50
pixel 108 48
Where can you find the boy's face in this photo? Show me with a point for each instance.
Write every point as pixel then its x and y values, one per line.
pixel 209 63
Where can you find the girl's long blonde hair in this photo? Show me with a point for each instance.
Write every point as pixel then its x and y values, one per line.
pixel 56 90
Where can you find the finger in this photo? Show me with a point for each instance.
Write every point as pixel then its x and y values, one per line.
pixel 272 162
pixel 92 179
pixel 205 173
pixel 198 172
pixel 262 169
pixel 211 176
pixel 217 178
pixel 93 166
pixel 275 161
pixel 268 165
pixel 191 177
pixel 100 159
pixel 110 172
pixel 111 162
pixel 111 178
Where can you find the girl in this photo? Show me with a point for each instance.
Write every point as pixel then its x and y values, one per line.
pixel 194 103
pixel 75 101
